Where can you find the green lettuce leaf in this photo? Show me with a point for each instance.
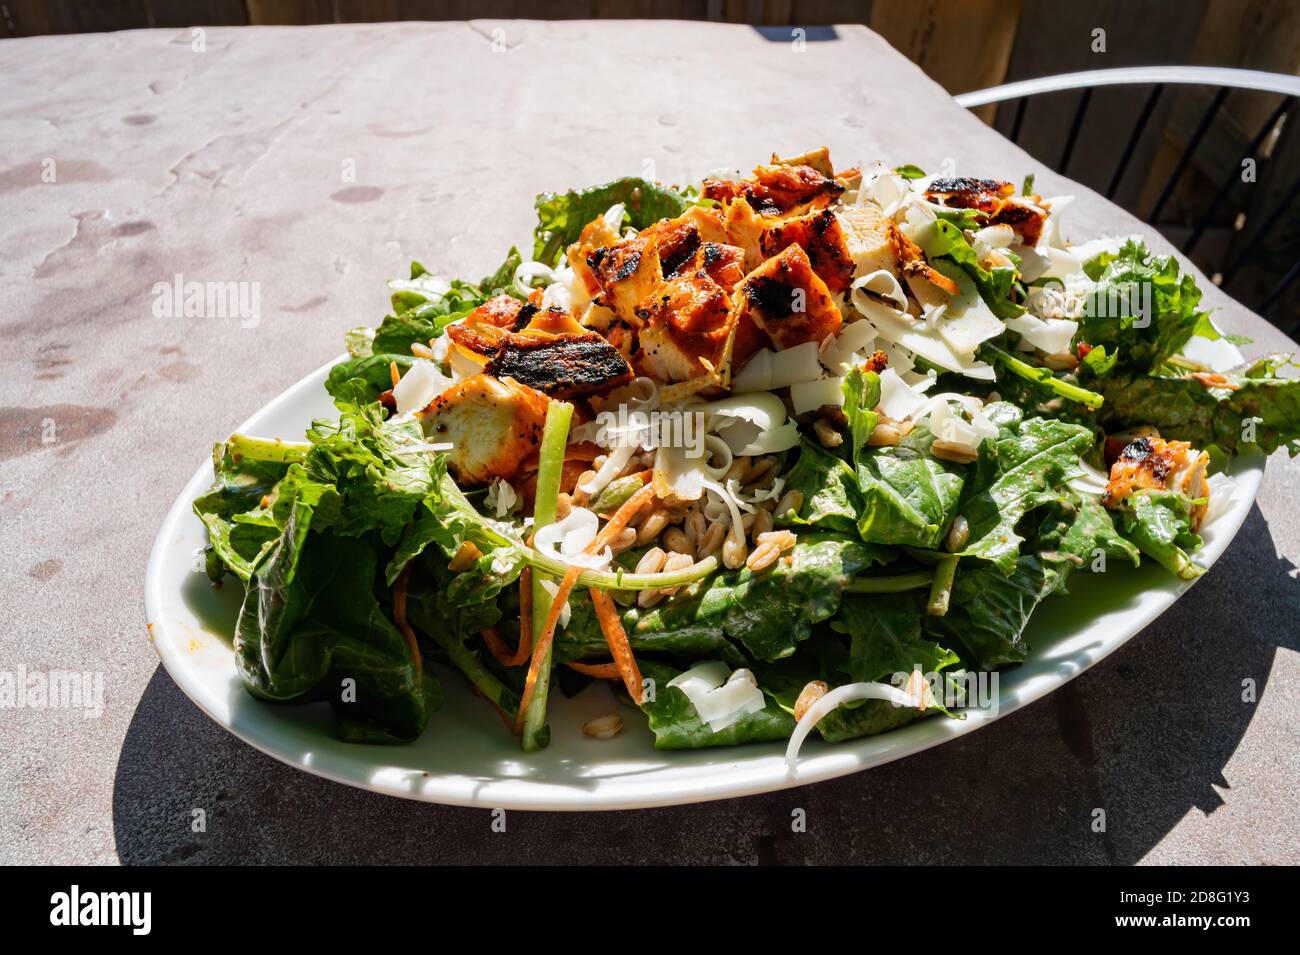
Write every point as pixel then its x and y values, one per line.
pixel 824 658
pixel 1159 522
pixel 1264 408
pixel 366 459
pixel 989 609
pixel 945 241
pixel 908 496
pixel 767 614
pixel 1080 530
pixel 676 725
pixel 694 639
pixel 1143 311
pixel 310 622
pixel 360 381
pixel 861 395
pixel 561 216
pixel 241 484
pixel 885 637
pixel 1024 468
pixel 829 488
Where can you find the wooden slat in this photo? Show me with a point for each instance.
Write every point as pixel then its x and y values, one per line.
pixel 288 12
pixel 962 44
pixel 69 16
pixel 25 18
pixel 184 13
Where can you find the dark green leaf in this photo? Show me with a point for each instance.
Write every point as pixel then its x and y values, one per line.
pixel 676 725
pixel 561 216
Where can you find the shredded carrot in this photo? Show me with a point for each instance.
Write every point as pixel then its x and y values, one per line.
pixel 393 373
pixel 616 637
pixel 525 618
pixel 620 518
pixel 399 617
pixel 496 646
pixel 601 671
pixel 542 647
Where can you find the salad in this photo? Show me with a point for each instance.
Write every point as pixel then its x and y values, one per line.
pixel 793 451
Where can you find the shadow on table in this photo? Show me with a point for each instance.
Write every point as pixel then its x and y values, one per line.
pixel 1144 736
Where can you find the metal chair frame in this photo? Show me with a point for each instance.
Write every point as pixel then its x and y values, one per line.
pixel 1158 78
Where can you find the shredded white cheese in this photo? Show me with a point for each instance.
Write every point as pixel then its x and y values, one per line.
pixel 720 700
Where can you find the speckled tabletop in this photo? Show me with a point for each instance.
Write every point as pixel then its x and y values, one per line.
pixel 316 162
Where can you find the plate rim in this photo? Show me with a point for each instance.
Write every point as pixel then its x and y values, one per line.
pixel 763 771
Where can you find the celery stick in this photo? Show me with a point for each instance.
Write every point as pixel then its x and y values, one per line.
pixel 550 465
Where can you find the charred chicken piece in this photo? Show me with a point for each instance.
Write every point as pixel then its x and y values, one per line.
pixel 776 189
pixel 724 264
pixel 567 365
pixel 1152 463
pixel 627 272
pixel 822 238
pixel 785 298
pixel 996 203
pixel 503 311
pixel 493 426
pixel 685 320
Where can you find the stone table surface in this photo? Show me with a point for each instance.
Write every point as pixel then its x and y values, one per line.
pixel 316 161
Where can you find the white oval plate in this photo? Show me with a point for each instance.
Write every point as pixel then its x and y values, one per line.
pixel 465 758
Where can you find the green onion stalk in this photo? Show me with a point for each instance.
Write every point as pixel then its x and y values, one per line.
pixel 465 659
pixel 941 587
pixel 896 583
pixel 1044 376
pixel 272 450
pixel 550 466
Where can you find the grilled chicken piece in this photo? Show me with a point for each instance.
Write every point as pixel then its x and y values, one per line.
pixel 869 237
pixel 1156 464
pixel 912 263
pixel 966 192
pixel 788 300
pixel 789 187
pixel 725 264
pixel 627 272
pixel 996 201
pixel 476 338
pixel 553 320
pixel 596 234
pixel 503 311
pixel 684 320
pixel 819 159
pixel 1025 216
pixel 744 229
pixel 493 426
pixel 675 240
pixel 708 222
pixel 568 365
pixel 822 238
pixel 776 189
